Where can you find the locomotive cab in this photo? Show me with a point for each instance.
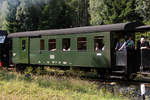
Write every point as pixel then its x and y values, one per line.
pixel 3 54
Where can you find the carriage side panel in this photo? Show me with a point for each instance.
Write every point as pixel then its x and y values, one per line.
pixel 20 50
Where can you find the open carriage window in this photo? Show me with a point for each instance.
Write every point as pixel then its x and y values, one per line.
pixel 99 43
pixel 52 44
pixel 23 45
pixel 42 47
pixel 81 43
pixel 66 44
pixel 2 39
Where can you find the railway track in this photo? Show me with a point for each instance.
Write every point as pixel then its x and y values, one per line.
pixel 126 88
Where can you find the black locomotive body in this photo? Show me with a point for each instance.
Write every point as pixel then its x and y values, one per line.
pixel 4 48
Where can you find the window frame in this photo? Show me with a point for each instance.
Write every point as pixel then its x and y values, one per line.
pixel 68 46
pixel 51 42
pixel 2 38
pixel 100 47
pixel 42 44
pixel 23 44
pixel 81 43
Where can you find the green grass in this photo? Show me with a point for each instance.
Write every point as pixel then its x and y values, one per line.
pixel 14 86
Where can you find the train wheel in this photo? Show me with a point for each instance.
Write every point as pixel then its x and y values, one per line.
pixel 20 68
pixel 104 74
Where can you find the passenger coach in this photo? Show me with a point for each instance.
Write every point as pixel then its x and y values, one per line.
pixel 84 47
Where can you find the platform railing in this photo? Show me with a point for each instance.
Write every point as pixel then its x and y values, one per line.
pixel 144 59
pixel 121 58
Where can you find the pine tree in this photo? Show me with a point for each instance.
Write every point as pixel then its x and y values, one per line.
pixel 112 11
pixel 143 9
pixel 56 14
pixel 23 15
pixel 81 15
pixel 27 16
pixel 11 22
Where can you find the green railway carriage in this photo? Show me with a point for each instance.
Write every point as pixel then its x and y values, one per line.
pixel 74 47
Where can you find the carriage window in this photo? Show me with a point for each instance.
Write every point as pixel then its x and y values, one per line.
pixel 66 44
pixel 99 43
pixel 81 43
pixel 23 45
pixel 2 39
pixel 52 44
pixel 42 47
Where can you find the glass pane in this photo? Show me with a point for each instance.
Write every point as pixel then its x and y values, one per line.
pixel 23 44
pixel 42 47
pixel 99 43
pixel 52 44
pixel 2 39
pixel 81 43
pixel 66 44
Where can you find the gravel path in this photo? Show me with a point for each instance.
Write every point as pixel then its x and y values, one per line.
pixel 126 89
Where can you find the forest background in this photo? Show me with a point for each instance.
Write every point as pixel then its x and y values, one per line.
pixel 28 15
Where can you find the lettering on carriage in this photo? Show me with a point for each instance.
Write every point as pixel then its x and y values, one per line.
pixel 14 54
pixel 70 63
pixel 59 62
pixel 39 62
pixel 99 54
pixel 52 56
pixel 64 62
pixel 48 62
pixel 53 62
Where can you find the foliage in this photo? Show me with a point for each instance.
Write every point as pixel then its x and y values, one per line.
pixel 22 15
pixel 56 14
pixel 26 15
pixel 109 11
pixel 96 10
pixel 1 17
pixel 80 7
pixel 143 9
pixel 15 87
pixel 11 24
pixel 28 70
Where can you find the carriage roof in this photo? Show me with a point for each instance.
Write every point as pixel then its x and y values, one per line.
pixel 87 29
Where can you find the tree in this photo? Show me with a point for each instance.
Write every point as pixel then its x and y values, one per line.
pixel 143 9
pixel 96 11
pixel 10 17
pixel 112 11
pixel 81 16
pixel 56 14
pixel 23 15
pixel 27 16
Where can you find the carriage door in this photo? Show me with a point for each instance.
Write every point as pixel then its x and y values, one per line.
pixel 121 58
pixel 24 50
